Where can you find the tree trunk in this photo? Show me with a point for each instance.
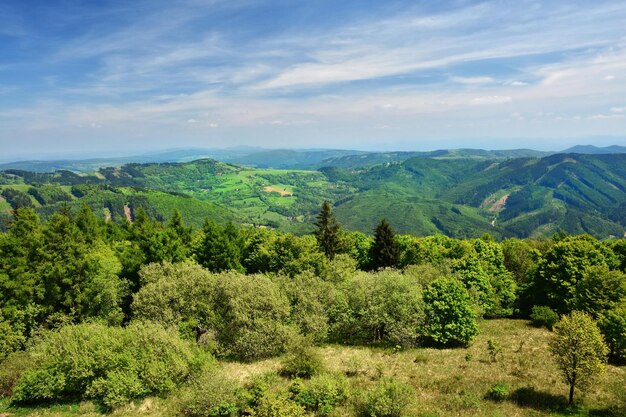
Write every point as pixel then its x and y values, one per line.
pixel 571 393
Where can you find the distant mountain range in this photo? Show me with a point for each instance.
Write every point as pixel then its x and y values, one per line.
pixel 290 158
pixel 459 193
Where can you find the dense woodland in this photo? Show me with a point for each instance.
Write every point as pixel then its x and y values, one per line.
pixel 117 311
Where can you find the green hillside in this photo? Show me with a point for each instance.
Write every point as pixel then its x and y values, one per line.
pixel 458 193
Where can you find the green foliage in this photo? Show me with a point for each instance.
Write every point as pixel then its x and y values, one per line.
pixel 612 323
pixel 11 369
pixel 563 267
pixel 378 307
pixel 494 350
pixel 543 316
pixel 321 394
pixel 284 253
pixel 302 360
pixel 252 316
pixel 219 248
pixel 385 251
pixel 600 289
pixel 389 398
pixel 175 294
pixel 449 316
pixel 498 392
pixel 109 364
pixel 328 231
pixel 311 298
pixel 579 350
pixel 277 406
pixel 212 394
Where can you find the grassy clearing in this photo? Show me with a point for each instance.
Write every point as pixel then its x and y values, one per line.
pixel 447 382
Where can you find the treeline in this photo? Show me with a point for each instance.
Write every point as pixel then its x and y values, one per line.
pixel 248 293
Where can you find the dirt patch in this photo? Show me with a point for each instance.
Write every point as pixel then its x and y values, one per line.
pixel 281 191
pixel 128 213
pixel 499 205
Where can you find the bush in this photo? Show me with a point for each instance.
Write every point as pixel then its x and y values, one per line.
pixel 211 395
pixel 321 394
pixel 110 365
pixel 389 398
pixel 252 317
pixel 11 369
pixel 449 316
pixel 277 406
pixel 543 316
pixel 302 360
pixel 498 392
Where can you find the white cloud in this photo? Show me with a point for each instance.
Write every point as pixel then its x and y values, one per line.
pixel 492 100
pixel 473 80
pixel 609 77
pixel 606 116
pixel 192 121
pixel 517 83
pixel 618 109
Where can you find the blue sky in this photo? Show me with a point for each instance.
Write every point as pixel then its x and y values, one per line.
pixel 124 76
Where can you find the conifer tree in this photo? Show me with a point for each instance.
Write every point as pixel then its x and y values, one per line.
pixel 328 231
pixel 219 249
pixel 385 251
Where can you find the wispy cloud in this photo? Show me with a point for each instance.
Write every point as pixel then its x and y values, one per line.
pixel 247 69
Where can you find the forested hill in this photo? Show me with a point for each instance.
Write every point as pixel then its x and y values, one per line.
pixel 457 194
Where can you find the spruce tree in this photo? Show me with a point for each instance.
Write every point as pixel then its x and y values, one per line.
pixel 385 251
pixel 328 231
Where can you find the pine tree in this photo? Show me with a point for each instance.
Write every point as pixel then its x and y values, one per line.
pixel 385 251
pixel 219 249
pixel 328 231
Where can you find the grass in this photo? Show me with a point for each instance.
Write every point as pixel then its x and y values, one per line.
pixel 447 382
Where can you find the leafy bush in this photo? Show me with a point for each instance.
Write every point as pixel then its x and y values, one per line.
pixel 108 364
pixel 385 306
pixel 302 360
pixel 11 369
pixel 321 394
pixel 277 406
pixel 389 398
pixel 449 316
pixel 252 316
pixel 543 316
pixel 211 395
pixel 498 392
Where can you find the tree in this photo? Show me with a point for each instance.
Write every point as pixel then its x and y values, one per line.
pixel 579 350
pixel 385 250
pixel 449 316
pixel 219 248
pixel 613 327
pixel 328 231
pixel 563 267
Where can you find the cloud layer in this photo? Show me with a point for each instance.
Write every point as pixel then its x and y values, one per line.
pixel 154 74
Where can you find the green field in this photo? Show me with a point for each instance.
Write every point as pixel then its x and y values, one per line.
pixel 447 382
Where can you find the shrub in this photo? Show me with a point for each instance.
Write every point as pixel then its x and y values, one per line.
pixel 302 360
pixel 108 364
pixel 498 392
pixel 385 306
pixel 251 317
pixel 11 369
pixel 389 398
pixel 277 406
pixel 211 395
pixel 449 316
pixel 321 394
pixel 543 316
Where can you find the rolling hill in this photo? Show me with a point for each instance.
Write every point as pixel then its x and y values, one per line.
pixel 460 193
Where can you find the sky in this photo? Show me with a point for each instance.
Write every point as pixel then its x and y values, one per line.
pixel 84 77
